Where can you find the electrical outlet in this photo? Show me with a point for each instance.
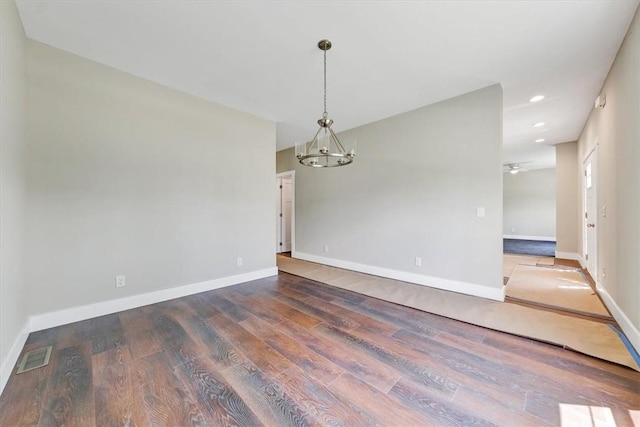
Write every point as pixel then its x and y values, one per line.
pixel 604 272
pixel 239 262
pixel 480 212
pixel 120 282
pixel 513 229
pixel 418 261
pixel 326 248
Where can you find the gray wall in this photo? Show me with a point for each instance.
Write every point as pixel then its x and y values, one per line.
pixel 128 177
pixel 530 203
pixel 567 199
pixel 413 192
pixel 286 160
pixel 13 313
pixel 615 132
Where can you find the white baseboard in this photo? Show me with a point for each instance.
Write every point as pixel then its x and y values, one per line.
pixel 569 255
pixel 12 357
pixel 519 237
pixel 582 262
pixel 496 294
pixel 76 314
pixel 632 333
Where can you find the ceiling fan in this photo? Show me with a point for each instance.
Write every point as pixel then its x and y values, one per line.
pixel 514 168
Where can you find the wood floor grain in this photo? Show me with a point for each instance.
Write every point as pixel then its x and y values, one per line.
pixel 287 351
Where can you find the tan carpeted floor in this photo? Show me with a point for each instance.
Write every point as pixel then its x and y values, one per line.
pixel 561 288
pixel 589 337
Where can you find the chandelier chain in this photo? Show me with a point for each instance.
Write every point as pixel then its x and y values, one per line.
pixel 325 84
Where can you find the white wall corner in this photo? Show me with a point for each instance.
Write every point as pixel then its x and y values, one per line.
pixel 76 314
pixel 496 294
pixel 14 353
pixel 569 255
pixel 632 333
pixel 582 262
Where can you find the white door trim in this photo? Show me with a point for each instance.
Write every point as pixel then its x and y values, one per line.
pixel 292 175
pixel 591 156
pixel 278 235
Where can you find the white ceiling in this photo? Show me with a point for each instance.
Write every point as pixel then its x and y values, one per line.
pixel 388 57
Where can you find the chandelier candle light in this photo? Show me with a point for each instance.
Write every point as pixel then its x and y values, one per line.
pixel 325 149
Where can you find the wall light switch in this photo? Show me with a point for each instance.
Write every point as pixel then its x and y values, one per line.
pixel 604 211
pixel 480 212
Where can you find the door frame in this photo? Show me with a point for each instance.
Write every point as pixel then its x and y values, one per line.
pixel 291 174
pixel 593 155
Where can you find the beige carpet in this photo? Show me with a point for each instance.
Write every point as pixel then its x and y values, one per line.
pixel 588 337
pixel 561 288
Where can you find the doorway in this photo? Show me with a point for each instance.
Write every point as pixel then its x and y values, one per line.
pixel 285 211
pixel 590 217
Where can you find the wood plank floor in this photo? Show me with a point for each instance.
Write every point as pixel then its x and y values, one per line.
pixel 288 351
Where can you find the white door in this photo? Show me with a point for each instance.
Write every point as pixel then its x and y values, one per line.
pixel 286 214
pixel 590 216
pixel 278 215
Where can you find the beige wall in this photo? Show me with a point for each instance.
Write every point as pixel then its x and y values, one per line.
pixel 286 160
pixel 530 204
pixel 127 177
pixel 568 199
pixel 413 192
pixel 614 132
pixel 13 313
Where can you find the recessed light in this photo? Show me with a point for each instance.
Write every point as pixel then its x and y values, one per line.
pixel 540 140
pixel 536 98
pixel 537 125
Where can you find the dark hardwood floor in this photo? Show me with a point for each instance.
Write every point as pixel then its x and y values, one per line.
pixel 289 351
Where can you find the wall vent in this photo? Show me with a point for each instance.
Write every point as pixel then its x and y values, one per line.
pixel 34 359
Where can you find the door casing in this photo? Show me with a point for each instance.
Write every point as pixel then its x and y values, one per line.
pixel 590 213
pixel 285 230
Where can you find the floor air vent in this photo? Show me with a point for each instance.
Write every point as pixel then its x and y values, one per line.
pixel 34 359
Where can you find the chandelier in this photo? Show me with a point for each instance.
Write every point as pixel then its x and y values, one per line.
pixel 325 149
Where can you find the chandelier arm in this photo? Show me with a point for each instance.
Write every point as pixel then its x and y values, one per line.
pixel 314 141
pixel 337 141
